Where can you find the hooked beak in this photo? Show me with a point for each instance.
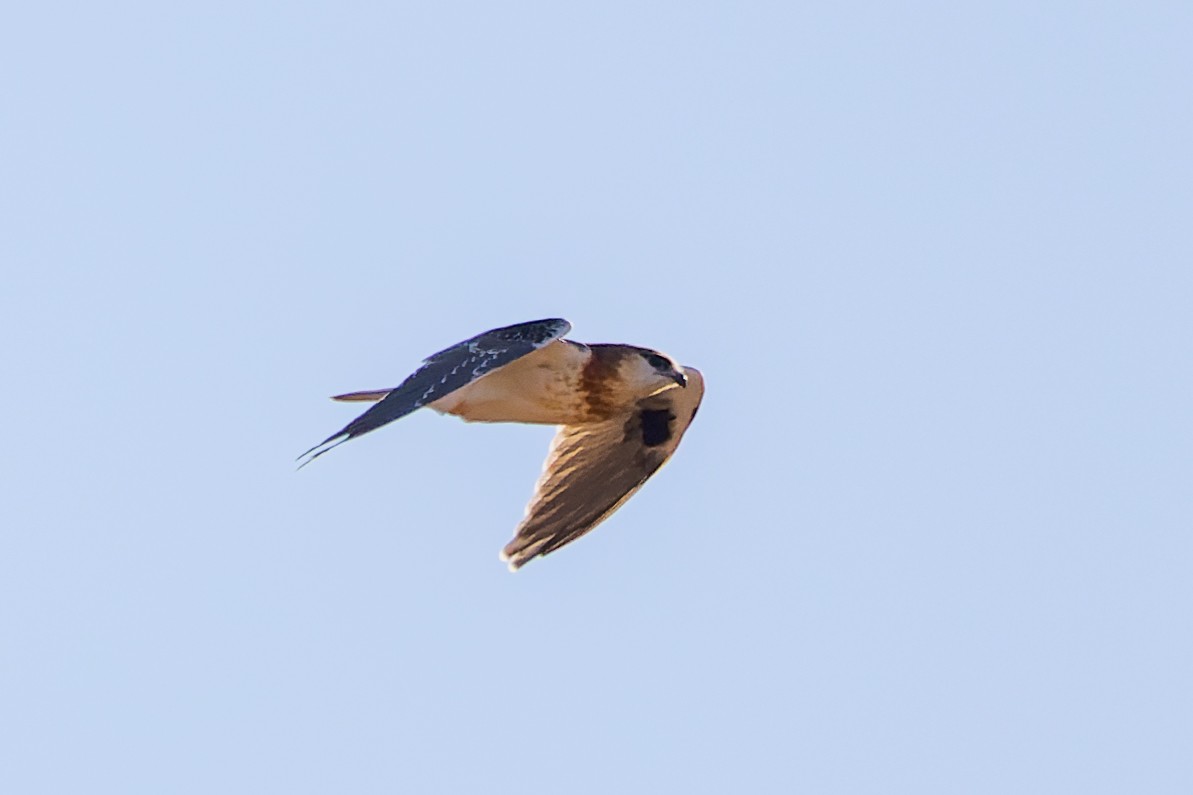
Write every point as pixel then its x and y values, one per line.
pixel 680 379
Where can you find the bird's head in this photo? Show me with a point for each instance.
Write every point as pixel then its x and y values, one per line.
pixel 654 372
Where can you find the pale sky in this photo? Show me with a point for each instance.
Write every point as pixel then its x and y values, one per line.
pixel 932 531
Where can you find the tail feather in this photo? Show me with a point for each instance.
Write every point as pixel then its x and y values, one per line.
pixel 369 395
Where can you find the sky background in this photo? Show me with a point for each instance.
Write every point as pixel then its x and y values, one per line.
pixel 932 531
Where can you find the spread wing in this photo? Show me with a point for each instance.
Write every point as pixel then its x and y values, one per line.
pixel 592 469
pixel 443 373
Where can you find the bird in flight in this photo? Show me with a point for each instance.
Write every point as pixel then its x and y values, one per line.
pixel 622 411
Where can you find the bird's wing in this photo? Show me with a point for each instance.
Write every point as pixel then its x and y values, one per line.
pixel 445 372
pixel 592 469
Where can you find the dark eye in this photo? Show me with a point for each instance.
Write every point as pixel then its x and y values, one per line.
pixel 658 362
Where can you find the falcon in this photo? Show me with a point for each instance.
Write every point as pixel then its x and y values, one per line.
pixel 622 411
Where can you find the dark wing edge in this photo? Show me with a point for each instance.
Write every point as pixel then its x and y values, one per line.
pixel 446 371
pixel 591 470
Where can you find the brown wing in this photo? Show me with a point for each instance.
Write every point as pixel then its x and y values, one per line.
pixel 592 469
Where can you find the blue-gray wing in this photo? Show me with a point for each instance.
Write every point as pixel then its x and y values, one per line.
pixel 446 371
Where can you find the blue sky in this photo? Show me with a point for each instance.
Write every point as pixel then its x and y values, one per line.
pixel 930 532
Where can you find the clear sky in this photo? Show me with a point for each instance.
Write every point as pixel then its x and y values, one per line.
pixel 932 531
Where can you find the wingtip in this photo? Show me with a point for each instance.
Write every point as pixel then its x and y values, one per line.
pixel 512 563
pixel 520 551
pixel 321 448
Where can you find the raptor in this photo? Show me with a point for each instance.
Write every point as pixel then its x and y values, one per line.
pixel 622 411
